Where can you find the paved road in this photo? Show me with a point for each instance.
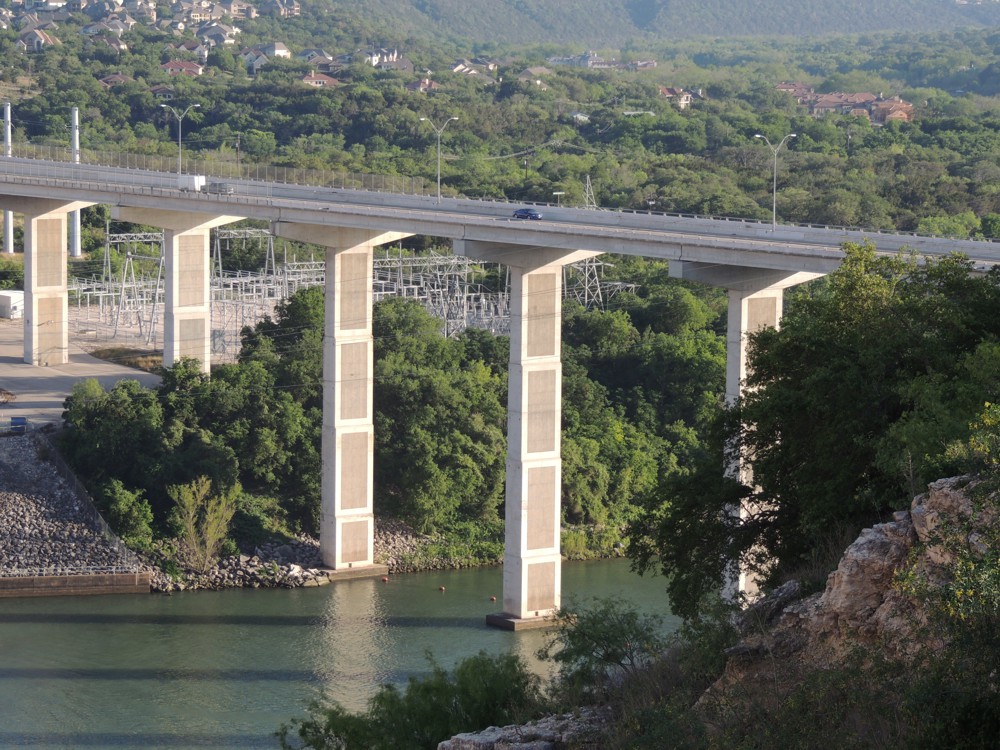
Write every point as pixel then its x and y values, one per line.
pixel 40 391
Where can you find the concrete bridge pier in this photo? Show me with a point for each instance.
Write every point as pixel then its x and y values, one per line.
pixel 756 300
pixel 46 306
pixel 532 563
pixel 347 522
pixel 187 320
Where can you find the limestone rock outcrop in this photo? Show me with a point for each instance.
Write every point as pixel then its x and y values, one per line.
pixel 860 605
pixel 580 730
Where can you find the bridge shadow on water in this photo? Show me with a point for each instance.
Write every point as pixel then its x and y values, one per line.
pixel 475 621
pixel 138 740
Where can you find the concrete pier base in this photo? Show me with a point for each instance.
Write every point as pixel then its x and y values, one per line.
pixel 347 519
pixel 756 298
pixel 503 621
pixel 375 570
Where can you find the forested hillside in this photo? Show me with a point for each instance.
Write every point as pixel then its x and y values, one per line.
pixel 615 23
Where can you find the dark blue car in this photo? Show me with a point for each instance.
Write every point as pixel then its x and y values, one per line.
pixel 527 213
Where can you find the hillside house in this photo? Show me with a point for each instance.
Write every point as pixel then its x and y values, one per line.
pixel 163 92
pixel 114 43
pixel 217 34
pixel 182 68
pixel 680 98
pixel 35 40
pixel 272 49
pixel 115 79
pixel 802 93
pixel 314 56
pixel 534 75
pixel 238 10
pixel 319 80
pixel 281 8
pixel 423 86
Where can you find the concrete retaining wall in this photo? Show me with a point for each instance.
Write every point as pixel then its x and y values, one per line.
pixel 76 585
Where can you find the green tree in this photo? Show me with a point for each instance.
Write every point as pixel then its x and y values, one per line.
pixel 128 513
pixel 201 520
pixel 836 415
pixel 599 644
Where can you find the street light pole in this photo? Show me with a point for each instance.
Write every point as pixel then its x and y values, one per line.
pixel 774 176
pixel 439 131
pixel 180 118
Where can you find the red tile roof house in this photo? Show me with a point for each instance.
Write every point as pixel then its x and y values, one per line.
pixel 319 80
pixel 182 67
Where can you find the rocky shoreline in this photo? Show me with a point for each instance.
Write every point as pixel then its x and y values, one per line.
pixel 47 527
pixel 287 564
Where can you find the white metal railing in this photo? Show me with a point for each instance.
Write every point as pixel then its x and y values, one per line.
pixel 224 170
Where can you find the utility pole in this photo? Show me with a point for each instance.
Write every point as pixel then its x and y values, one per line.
pixel 75 250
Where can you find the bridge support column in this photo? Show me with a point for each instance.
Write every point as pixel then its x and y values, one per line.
pixel 347 521
pixel 46 320
pixel 756 298
pixel 749 311
pixel 187 324
pixel 532 563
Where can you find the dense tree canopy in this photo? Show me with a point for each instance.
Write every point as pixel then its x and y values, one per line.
pixel 850 409
pixel 440 414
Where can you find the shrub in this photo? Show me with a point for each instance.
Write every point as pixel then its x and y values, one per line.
pixel 128 513
pixel 201 520
pixel 598 645
pixel 483 690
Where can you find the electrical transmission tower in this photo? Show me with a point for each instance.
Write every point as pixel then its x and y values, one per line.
pixel 589 201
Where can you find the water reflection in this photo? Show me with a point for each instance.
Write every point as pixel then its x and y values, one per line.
pixel 225 669
pixel 347 649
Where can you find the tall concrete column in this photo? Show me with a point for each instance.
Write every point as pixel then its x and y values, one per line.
pixel 755 301
pixel 187 325
pixel 532 575
pixel 347 520
pixel 749 311
pixel 756 298
pixel 532 563
pixel 46 320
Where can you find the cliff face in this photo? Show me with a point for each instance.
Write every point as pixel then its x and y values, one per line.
pixel 861 605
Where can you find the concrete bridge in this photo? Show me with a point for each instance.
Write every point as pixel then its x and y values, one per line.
pixel 754 261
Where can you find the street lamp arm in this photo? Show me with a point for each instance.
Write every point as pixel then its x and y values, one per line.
pixel 439 131
pixel 774 174
pixel 180 119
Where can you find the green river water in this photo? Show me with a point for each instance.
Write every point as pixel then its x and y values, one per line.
pixel 225 669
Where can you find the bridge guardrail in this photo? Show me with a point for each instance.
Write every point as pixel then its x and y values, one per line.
pixel 151 172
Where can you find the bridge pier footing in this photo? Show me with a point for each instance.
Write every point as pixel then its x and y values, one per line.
pixel 756 301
